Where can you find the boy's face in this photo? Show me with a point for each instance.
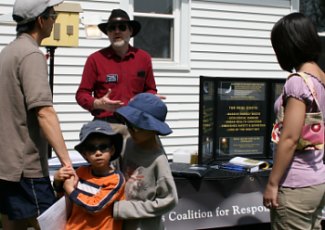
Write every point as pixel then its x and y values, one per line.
pixel 139 135
pixel 98 152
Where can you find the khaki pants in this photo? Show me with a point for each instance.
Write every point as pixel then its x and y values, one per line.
pixel 299 208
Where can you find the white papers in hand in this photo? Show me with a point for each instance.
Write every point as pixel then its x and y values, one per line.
pixel 55 217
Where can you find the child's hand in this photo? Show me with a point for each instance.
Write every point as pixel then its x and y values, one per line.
pixel 69 185
pixel 64 173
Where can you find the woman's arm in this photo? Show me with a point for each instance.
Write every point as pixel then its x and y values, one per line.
pixel 294 117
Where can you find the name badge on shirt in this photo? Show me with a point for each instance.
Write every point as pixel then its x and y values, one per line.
pixel 111 78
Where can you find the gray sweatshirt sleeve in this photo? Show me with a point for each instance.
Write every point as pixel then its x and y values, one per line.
pixel 164 201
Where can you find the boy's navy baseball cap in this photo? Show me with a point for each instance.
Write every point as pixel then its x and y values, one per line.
pixel 28 10
pixel 146 111
pixel 98 126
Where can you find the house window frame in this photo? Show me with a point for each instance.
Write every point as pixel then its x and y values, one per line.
pixel 180 49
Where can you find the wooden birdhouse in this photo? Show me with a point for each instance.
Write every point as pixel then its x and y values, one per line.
pixel 65 31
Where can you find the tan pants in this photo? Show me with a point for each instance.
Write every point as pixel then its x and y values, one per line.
pixel 299 208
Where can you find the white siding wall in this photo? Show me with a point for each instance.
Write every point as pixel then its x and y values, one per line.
pixel 228 38
pixel 232 40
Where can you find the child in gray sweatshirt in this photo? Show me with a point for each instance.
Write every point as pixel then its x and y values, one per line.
pixel 150 188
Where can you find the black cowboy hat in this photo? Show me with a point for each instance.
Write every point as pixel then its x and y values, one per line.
pixel 117 16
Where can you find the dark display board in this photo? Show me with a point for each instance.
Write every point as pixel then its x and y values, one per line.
pixel 236 117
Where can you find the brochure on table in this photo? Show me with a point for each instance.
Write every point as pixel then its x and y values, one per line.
pixel 245 164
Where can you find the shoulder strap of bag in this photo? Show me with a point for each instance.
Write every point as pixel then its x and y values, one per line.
pixel 309 84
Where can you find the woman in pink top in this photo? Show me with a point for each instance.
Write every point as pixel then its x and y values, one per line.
pixel 296 186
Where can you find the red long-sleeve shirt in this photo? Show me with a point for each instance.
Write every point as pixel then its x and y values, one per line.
pixel 125 77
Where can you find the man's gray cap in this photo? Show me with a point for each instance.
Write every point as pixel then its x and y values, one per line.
pixel 28 10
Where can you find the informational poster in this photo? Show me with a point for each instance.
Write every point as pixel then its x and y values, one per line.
pixel 207 122
pixel 236 117
pixel 241 118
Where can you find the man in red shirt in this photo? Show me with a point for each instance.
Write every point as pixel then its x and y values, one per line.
pixel 113 75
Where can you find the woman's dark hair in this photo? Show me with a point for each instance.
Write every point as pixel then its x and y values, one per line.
pixel 29 26
pixel 295 41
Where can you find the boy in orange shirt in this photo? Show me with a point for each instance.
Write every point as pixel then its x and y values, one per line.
pixel 100 184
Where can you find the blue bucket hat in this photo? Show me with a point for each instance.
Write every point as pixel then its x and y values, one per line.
pixel 98 126
pixel 146 111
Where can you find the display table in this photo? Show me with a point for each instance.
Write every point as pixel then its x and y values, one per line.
pixel 219 201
